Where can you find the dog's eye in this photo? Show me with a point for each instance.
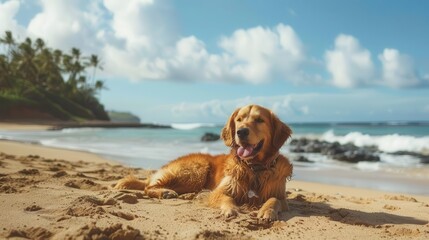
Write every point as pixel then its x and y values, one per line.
pixel 259 120
pixel 239 119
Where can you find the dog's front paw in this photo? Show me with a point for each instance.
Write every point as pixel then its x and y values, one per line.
pixel 229 212
pixel 167 194
pixel 268 215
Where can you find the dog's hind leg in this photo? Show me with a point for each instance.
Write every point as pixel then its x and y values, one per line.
pixel 173 180
pixel 131 182
pixel 160 185
pixel 163 193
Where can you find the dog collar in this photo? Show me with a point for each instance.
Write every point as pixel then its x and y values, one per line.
pixel 255 167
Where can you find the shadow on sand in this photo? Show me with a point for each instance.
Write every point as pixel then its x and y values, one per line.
pixel 301 207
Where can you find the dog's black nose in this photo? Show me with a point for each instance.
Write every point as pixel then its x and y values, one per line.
pixel 243 133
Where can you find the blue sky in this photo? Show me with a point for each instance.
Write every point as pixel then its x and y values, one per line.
pixel 196 61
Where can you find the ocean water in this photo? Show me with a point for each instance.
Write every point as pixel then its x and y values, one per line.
pixel 152 148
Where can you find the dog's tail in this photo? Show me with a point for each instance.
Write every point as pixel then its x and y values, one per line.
pixel 131 182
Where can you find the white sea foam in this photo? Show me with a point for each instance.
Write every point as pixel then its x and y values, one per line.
pixel 401 160
pixel 78 130
pixel 190 126
pixel 387 143
pixel 49 142
pixel 368 166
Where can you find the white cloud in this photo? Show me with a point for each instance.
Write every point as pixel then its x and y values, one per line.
pixel 141 40
pixel 258 53
pixel 349 63
pixel 351 66
pixel 252 55
pixel 360 105
pixel 287 107
pixel 8 11
pixel 145 25
pixel 67 24
pixel 210 109
pixel 151 42
pixel 398 69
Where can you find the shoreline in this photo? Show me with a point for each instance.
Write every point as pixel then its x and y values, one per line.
pixel 385 182
pixel 408 181
pixel 58 125
pixel 23 149
pixel 56 193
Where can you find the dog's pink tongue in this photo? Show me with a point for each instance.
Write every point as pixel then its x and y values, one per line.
pixel 244 152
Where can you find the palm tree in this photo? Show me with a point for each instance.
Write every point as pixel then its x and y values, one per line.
pixel 58 54
pixel 94 62
pixel 26 67
pixel 40 44
pixel 67 62
pixel 75 54
pixel 28 41
pixel 31 70
pixel 4 73
pixel 49 71
pixel 76 67
pixel 99 85
pixel 9 41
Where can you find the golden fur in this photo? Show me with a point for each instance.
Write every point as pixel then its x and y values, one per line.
pixel 257 180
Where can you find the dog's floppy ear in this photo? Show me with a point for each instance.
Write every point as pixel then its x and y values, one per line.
pixel 280 132
pixel 228 131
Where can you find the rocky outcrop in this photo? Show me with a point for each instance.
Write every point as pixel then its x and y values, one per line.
pixel 341 152
pixel 210 137
pixel 123 117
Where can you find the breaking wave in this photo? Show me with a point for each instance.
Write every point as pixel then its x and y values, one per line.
pixel 190 126
pixel 388 143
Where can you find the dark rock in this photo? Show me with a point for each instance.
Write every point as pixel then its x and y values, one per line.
pixel 423 158
pixel 302 159
pixel 299 145
pixel 297 149
pixel 209 137
pixel 299 142
pixel 293 142
pixel 332 149
pixel 314 147
pixel 355 156
pixel 342 152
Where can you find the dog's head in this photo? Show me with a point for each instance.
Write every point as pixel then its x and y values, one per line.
pixel 255 133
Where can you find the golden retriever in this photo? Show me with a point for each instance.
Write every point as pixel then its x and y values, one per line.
pixel 253 173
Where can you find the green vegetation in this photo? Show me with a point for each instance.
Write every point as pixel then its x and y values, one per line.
pixel 35 78
pixel 123 117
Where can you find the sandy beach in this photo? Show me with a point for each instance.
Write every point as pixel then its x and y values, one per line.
pixel 48 193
